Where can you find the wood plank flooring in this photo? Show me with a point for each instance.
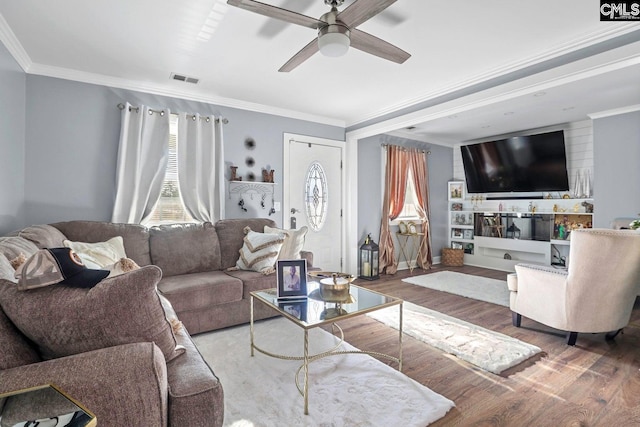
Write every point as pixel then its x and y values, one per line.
pixel 595 383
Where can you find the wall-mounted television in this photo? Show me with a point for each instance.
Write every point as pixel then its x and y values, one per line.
pixel 531 163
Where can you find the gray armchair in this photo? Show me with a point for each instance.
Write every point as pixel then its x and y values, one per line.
pixel 595 295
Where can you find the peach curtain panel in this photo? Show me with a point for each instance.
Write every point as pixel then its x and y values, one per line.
pixel 418 162
pixel 395 186
pixel 399 161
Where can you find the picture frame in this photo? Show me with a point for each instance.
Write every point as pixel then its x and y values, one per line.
pixel 456 245
pixel 402 227
pixel 292 279
pixel 456 233
pixel 455 189
pixel 456 206
pixel 468 234
pixel 295 308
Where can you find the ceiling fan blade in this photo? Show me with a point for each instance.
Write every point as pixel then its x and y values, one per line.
pixel 276 12
pixel 361 10
pixel 297 59
pixel 378 47
pixel 273 27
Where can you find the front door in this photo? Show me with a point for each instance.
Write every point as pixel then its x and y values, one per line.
pixel 313 196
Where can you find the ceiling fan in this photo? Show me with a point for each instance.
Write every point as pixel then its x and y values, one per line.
pixel 336 30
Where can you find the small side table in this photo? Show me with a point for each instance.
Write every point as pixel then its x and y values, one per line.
pixel 410 245
pixel 43 405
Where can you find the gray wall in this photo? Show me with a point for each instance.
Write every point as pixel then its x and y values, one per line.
pixel 12 142
pixel 616 149
pixel 370 186
pixel 72 144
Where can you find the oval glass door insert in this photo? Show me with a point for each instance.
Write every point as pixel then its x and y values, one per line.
pixel 315 196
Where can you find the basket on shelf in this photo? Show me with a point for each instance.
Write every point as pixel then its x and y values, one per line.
pixel 452 257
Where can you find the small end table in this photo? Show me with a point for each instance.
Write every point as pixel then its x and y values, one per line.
pixel 410 244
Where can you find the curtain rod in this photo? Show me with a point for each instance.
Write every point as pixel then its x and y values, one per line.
pixel 405 148
pixel 161 112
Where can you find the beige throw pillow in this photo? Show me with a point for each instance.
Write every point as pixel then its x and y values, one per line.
pixel 259 251
pixel 99 255
pixel 293 241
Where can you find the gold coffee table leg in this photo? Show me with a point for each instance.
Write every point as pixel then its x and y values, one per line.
pixel 251 325
pixel 306 372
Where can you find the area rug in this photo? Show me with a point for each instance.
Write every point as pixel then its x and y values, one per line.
pixel 466 285
pixel 491 351
pixel 345 390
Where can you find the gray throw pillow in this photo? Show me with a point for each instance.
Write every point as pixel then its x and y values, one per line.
pixel 63 320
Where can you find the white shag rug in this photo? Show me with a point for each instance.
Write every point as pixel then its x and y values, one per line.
pixel 345 390
pixel 466 285
pixel 491 351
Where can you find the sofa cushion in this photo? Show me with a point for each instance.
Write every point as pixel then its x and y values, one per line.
pixel 231 235
pixel 134 236
pixel 184 248
pixel 63 320
pixel 16 349
pixel 253 281
pixel 12 247
pixel 200 290
pixel 100 254
pixel 260 251
pixel 293 241
pixel 43 236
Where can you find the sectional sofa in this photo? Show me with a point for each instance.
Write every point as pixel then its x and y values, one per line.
pixel 121 348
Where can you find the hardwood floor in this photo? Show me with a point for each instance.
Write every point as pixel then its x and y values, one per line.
pixel 595 383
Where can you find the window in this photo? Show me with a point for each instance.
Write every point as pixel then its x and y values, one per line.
pixel 170 208
pixel 409 210
pixel 315 196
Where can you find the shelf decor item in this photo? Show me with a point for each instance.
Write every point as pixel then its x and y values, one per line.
pixel 456 190
pixel 369 259
pixel 402 227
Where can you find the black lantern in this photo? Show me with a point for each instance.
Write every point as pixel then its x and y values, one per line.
pixel 369 260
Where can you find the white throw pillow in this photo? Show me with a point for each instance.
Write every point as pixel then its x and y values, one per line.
pixel 260 251
pixel 293 241
pixel 99 255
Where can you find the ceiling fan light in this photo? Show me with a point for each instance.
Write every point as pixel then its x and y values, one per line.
pixel 334 43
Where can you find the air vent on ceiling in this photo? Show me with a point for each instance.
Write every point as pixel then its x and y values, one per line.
pixel 183 78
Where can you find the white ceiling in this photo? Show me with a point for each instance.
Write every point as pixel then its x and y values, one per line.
pixel 469 48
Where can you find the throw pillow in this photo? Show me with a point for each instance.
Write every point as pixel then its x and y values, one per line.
pixel 125 265
pixel 259 251
pixel 293 241
pixel 99 255
pixel 64 320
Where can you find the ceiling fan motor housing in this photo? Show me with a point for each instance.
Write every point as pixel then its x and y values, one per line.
pixel 334 37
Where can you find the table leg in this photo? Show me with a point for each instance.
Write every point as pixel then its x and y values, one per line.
pixel 251 325
pixel 306 372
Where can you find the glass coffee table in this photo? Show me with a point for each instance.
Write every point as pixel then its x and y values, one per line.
pixel 313 312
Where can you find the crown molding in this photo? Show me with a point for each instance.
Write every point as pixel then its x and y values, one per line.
pixel 155 89
pixel 614 112
pixel 9 39
pixel 553 53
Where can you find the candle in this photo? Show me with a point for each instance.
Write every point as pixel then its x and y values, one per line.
pixel 366 269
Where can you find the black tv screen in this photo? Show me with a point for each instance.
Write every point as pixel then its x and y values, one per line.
pixel 530 163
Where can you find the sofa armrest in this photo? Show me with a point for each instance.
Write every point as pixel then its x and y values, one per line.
pixel 124 385
pixel 195 393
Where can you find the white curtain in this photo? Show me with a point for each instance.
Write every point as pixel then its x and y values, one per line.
pixel 201 166
pixel 142 162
